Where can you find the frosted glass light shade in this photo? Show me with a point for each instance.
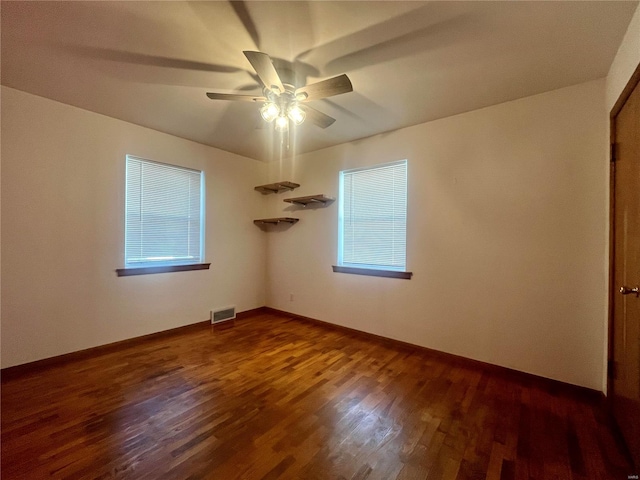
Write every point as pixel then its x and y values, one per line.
pixel 269 111
pixel 282 123
pixel 296 114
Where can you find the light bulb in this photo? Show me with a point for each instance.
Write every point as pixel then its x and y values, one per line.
pixel 269 111
pixel 282 123
pixel 296 114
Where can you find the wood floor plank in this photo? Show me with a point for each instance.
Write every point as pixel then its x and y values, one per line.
pixel 274 397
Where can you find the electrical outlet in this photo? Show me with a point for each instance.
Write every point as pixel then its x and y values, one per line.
pixel 291 297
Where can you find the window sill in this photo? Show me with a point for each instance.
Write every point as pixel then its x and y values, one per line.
pixel 372 272
pixel 125 272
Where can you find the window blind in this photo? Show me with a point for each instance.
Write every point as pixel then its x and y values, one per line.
pixel 373 217
pixel 164 214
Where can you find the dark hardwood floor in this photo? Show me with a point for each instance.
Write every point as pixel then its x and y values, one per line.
pixel 278 398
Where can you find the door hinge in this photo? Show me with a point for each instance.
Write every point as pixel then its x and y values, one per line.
pixel 612 153
pixel 611 369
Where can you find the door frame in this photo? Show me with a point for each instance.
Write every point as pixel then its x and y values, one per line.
pixel 624 96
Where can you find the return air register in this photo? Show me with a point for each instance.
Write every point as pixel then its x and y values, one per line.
pixel 223 314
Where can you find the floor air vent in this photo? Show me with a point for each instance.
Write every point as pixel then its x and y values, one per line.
pixel 223 314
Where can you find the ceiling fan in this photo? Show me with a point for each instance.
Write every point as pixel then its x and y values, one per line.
pixel 283 101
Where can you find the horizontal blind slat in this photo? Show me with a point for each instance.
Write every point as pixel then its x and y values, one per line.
pixel 163 214
pixel 374 206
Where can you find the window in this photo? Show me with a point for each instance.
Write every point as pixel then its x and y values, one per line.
pixel 164 217
pixel 373 221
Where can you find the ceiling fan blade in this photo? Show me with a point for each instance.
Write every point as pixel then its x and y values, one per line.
pixel 318 118
pixel 325 88
pixel 263 65
pixel 234 96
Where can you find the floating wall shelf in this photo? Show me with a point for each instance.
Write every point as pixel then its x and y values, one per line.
pixel 311 199
pixel 275 221
pixel 277 187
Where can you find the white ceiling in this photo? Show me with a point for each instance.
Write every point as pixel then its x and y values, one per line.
pixel 151 63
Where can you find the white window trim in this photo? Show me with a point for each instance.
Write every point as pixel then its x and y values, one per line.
pixel 161 267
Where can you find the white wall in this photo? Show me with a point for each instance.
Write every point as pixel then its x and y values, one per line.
pixel 506 235
pixel 63 230
pixel 625 61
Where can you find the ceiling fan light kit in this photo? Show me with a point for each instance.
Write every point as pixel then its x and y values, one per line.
pixel 287 110
pixel 269 112
pixel 296 114
pixel 282 123
pixel 282 100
